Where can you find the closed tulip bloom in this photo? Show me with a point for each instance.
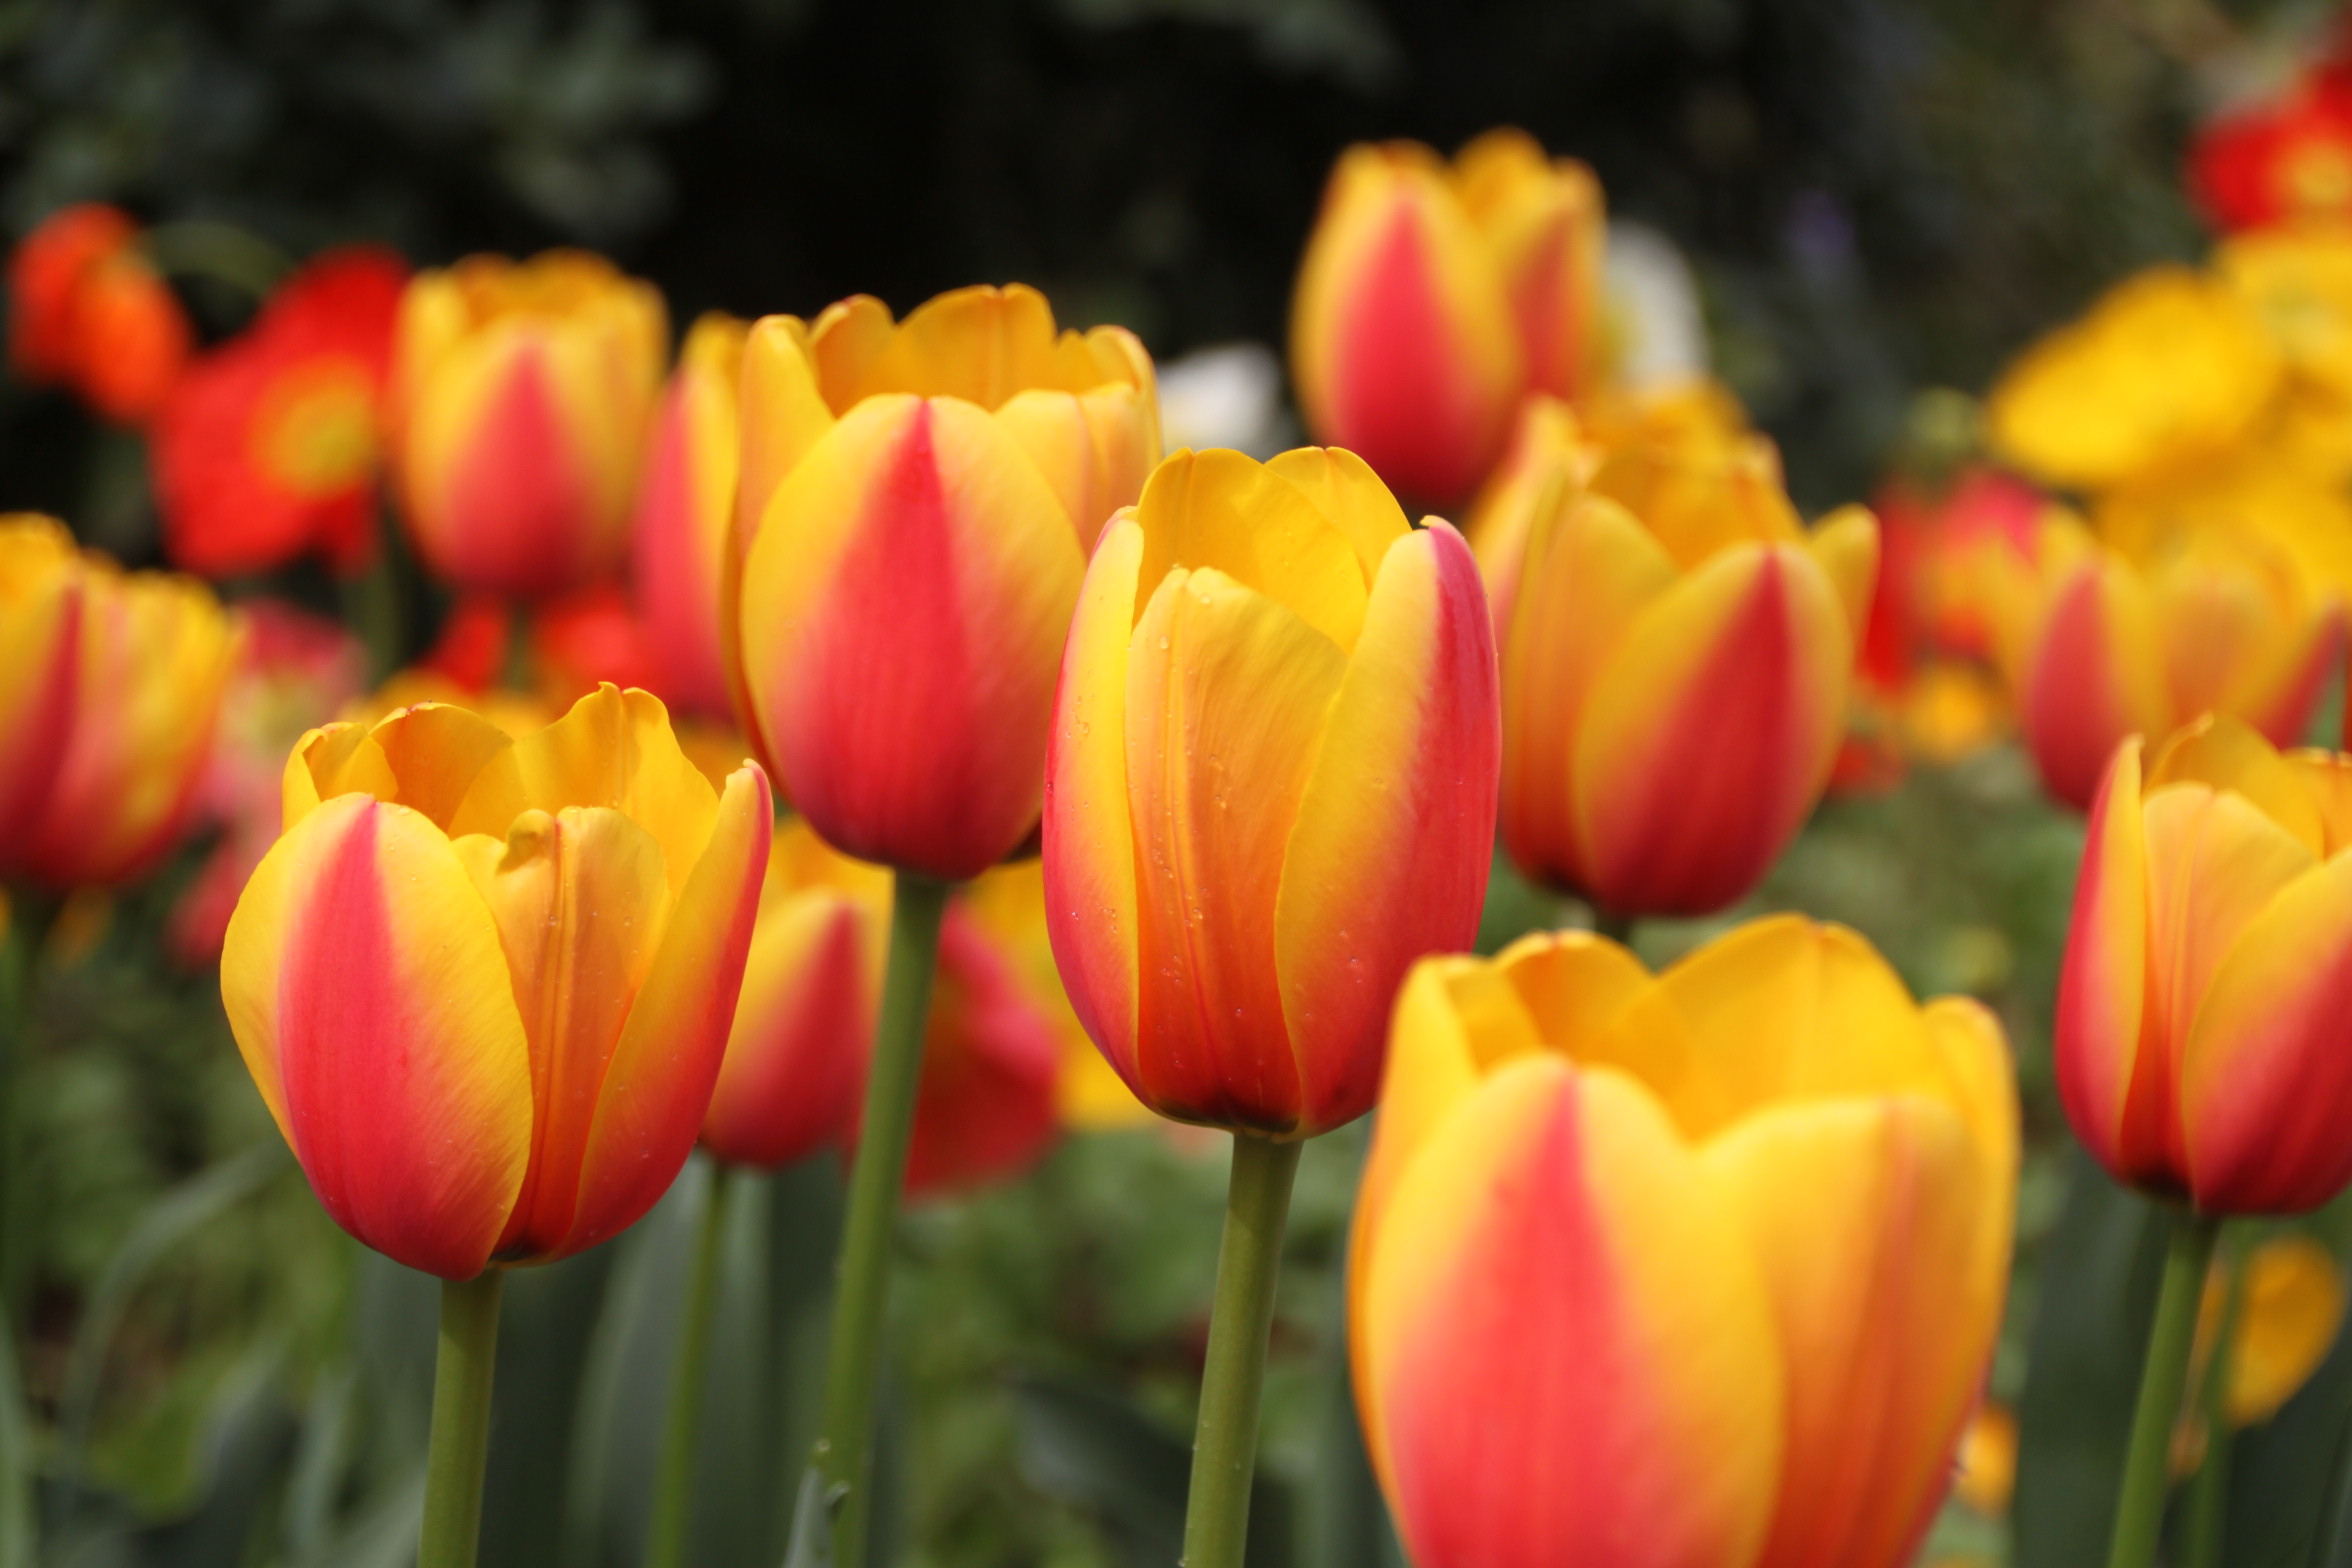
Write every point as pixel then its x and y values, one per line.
pixel 987 1107
pixel 915 507
pixel 521 393
pixel 1432 298
pixel 1675 680
pixel 685 514
pixel 2200 1032
pixel 1699 1269
pixel 1271 785
pixel 2096 648
pixel 484 984
pixel 110 685
pixel 88 309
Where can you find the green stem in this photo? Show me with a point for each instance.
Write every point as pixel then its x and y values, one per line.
pixel 1617 928
pixel 517 674
pixel 461 1421
pixel 1225 1444
pixel 845 1444
pixel 2139 1510
pixel 2207 1524
pixel 673 1491
pixel 17 956
pixel 203 247
pixel 371 605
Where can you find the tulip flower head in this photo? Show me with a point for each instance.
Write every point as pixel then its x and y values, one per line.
pixel 685 515
pixel 1701 1268
pixel 89 310
pixel 521 393
pixel 2200 1038
pixel 1675 670
pixel 2095 649
pixel 1271 786
pixel 110 684
pixel 2282 161
pixel 1433 297
pixel 484 984
pixel 915 507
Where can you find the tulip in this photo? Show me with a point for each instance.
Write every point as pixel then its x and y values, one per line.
pixel 917 503
pixel 1431 299
pixel 2197 1039
pixel 2290 1307
pixel 110 682
pixel 2169 367
pixel 2283 161
pixel 685 512
pixel 1701 1268
pixel 986 1108
pixel 88 309
pixel 1271 784
pixel 484 984
pixel 2096 649
pixel 1675 676
pixel 521 394
pixel 267 448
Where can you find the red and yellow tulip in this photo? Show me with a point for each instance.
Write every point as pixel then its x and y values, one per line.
pixel 110 683
pixel 1676 661
pixel 87 309
pixel 685 514
pixel 2095 649
pixel 1701 1268
pixel 915 507
pixel 484 984
pixel 1271 786
pixel 2199 1037
pixel 521 394
pixel 1433 297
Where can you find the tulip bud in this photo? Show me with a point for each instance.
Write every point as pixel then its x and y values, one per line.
pixel 484 984
pixel 685 514
pixel 919 501
pixel 1675 676
pixel 1271 786
pixel 985 1109
pixel 88 309
pixel 1432 298
pixel 110 682
pixel 520 398
pixel 2096 649
pixel 2199 1038
pixel 1702 1268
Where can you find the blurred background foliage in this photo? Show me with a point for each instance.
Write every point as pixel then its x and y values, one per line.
pixel 1878 198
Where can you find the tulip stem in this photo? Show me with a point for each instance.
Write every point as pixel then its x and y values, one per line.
pixel 1241 1320
pixel 460 1441
pixel 673 1489
pixel 1617 928
pixel 2207 1524
pixel 2164 1375
pixel 845 1445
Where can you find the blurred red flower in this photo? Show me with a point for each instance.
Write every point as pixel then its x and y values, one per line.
pixel 269 446
pixel 2284 159
pixel 88 310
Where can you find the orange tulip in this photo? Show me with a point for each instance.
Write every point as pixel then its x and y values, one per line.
pixel 1676 663
pixel 1271 785
pixel 2199 1037
pixel 110 682
pixel 2095 648
pixel 915 508
pixel 88 309
pixel 1432 298
pixel 521 394
pixel 1701 1268
pixel 484 984
pixel 685 513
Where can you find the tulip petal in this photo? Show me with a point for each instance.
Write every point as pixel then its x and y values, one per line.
pixel 2327 777
pixel 981 344
pixel 1589 571
pixel 2225 753
pixel 1345 490
pixel 366 987
pixel 2092 676
pixel 1395 830
pixel 2264 1074
pixel 659 1080
pixel 1886 1257
pixel 1092 447
pixel 2292 1310
pixel 1846 546
pixel 1570 1356
pixel 1575 985
pixel 2103 983
pixel 1089 837
pixel 796 1050
pixel 904 608
pixel 1709 732
pixel 1220 509
pixel 781 413
pixel 1228 694
pixel 40 635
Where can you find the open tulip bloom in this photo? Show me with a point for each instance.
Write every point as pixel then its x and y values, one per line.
pixel 1700 1268
pixel 484 985
pixel 1271 789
